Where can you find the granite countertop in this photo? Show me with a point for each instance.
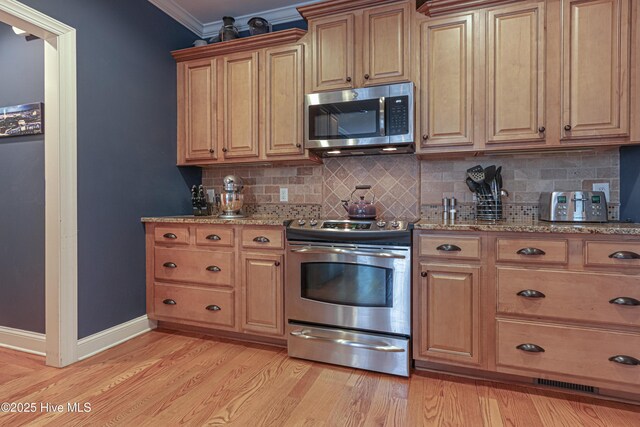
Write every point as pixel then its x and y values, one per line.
pixel 531 226
pixel 190 219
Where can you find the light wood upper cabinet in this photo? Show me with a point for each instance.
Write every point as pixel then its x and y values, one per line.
pixel 516 73
pixel 595 72
pixel 448 314
pixel 262 290
pixel 386 55
pixel 239 109
pixel 196 110
pixel 284 96
pixel 447 81
pixel 333 60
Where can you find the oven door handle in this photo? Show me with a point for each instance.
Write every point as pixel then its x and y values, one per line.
pixel 380 346
pixel 313 250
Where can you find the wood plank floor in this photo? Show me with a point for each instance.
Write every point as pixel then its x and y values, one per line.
pixel 165 379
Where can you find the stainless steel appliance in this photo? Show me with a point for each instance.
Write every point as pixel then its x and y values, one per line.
pixel 348 293
pixel 373 120
pixel 231 198
pixel 573 206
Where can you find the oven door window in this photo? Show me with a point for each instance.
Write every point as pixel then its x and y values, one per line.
pixel 355 285
pixel 345 120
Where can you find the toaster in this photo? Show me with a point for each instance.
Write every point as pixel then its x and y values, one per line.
pixel 573 206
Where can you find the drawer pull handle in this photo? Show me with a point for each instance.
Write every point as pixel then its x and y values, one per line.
pixel 625 301
pixel 531 251
pixel 531 293
pixel 261 239
pixel 213 237
pixel 530 348
pixel 169 302
pixel 169 236
pixel 448 248
pixel 625 360
pixel 213 308
pixel 214 268
pixel 170 265
pixel 624 255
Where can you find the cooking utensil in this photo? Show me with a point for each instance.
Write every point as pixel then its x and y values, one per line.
pixel 499 177
pixel 472 185
pixel 360 209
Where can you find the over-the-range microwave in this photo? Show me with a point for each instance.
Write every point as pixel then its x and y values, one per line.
pixel 372 120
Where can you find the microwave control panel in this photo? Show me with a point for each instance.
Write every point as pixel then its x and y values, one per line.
pixel 398 115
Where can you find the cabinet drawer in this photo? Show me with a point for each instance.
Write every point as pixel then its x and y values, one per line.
pixel 588 297
pixel 175 235
pixel 612 254
pixel 214 236
pixel 258 237
pixel 536 251
pixel 206 267
pixel 449 247
pixel 569 350
pixel 214 306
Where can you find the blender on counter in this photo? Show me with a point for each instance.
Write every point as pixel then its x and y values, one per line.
pixel 231 198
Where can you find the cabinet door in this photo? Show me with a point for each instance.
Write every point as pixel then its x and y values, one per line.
pixel 197 112
pixel 448 314
pixel 284 98
pixel 516 73
pixel 595 74
pixel 332 64
pixel 447 81
pixel 386 54
pixel 240 105
pixel 262 294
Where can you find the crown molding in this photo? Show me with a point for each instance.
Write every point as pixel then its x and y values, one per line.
pixel 274 16
pixel 180 15
pixel 445 7
pixel 312 10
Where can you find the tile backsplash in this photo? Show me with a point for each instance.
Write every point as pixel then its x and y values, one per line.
pixel 408 188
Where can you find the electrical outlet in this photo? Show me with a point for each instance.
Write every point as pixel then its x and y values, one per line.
pixel 604 187
pixel 284 194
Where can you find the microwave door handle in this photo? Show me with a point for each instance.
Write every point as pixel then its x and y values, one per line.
pixel 311 250
pixel 383 131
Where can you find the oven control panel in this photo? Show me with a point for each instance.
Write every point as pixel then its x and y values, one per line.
pixel 349 225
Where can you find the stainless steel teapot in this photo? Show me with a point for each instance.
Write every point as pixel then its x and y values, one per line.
pixel 360 209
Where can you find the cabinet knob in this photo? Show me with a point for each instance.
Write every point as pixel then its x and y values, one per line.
pixel 366 76
pixel 213 308
pixel 277 263
pixel 211 150
pixel 530 348
pixel 449 248
pixel 169 302
pixel 170 265
pixel 261 239
pixel 567 128
pixel 425 137
pixel 213 237
pixel 423 273
pixel 298 145
pixel 224 150
pixel 214 269
pixel 170 236
pixel 542 129
pixel 349 79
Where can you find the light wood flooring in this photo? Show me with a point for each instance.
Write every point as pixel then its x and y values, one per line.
pixel 166 379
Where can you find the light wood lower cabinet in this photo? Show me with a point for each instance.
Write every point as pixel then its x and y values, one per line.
pixel 202 275
pixel 448 317
pixel 262 293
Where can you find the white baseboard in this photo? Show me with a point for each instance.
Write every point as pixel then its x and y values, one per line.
pixel 17 339
pixel 111 337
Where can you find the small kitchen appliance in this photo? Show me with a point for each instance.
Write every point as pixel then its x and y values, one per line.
pixel 231 198
pixel 360 209
pixel 348 293
pixel 573 206
pixel 371 120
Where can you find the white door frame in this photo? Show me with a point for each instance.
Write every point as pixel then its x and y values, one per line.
pixel 60 159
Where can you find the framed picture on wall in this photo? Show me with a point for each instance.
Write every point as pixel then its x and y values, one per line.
pixel 19 120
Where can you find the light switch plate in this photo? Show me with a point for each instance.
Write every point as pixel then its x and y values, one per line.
pixel 284 194
pixel 604 187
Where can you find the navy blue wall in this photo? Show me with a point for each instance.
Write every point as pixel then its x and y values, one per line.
pixel 630 183
pixel 126 147
pixel 21 189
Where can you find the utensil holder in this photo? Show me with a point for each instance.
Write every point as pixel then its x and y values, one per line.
pixel 488 208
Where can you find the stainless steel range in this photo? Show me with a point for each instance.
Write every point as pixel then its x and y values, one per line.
pixel 348 293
